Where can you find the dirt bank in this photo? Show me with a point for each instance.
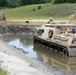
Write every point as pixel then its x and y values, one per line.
pixel 17 30
pixel 16 63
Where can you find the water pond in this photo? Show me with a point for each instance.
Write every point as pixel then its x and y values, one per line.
pixel 45 55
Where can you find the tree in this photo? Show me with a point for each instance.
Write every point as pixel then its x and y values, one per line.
pixel 58 1
pixel 72 1
pixel 3 3
pixel 14 3
pixel 64 1
pixel 49 1
pixel 24 2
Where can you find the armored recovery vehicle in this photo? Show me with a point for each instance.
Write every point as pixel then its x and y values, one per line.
pixel 60 37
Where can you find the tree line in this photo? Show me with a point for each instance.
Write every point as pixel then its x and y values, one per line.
pixel 16 3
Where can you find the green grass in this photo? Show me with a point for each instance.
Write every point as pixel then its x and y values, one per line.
pixel 2 72
pixel 56 11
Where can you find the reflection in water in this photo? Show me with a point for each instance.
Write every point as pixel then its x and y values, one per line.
pixel 56 59
pixel 26 43
pixel 46 55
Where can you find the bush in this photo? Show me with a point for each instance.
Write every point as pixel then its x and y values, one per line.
pixel 27 21
pixel 39 7
pixel 34 9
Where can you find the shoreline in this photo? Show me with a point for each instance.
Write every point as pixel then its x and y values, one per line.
pixel 31 22
pixel 41 67
pixel 8 51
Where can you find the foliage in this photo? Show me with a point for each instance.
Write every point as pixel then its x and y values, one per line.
pixel 58 1
pixel 2 72
pixel 3 3
pixel 34 9
pixel 13 3
pixel 39 7
pixel 16 3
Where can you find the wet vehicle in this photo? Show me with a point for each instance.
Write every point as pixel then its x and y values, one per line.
pixel 60 37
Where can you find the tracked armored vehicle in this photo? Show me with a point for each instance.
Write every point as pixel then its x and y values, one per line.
pixel 60 37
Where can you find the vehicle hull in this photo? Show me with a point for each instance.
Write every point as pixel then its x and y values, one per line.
pixel 51 45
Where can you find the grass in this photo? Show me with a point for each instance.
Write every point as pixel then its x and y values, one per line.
pixel 66 11
pixel 48 10
pixel 2 72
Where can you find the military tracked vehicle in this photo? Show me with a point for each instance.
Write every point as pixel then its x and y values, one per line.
pixel 58 36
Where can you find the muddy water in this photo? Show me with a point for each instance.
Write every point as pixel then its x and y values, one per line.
pixel 37 52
